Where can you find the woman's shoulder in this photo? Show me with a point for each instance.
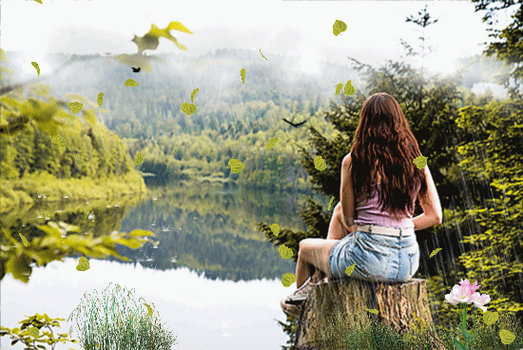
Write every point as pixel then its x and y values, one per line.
pixel 347 159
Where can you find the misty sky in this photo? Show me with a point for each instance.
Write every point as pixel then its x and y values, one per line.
pixel 302 28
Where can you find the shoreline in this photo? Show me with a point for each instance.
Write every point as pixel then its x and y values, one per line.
pixel 29 190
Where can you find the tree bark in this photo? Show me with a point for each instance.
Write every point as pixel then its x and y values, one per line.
pixel 338 306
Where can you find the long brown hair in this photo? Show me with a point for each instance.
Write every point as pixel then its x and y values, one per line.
pixel 384 145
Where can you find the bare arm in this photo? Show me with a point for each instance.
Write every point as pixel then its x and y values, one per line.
pixel 432 214
pixel 347 196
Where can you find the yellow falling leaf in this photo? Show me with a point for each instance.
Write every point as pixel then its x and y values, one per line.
pixel 490 317
pixel 83 264
pixel 188 108
pixel 287 279
pixel 350 269
pixel 263 55
pixel 374 311
pixel 271 143
pixel 330 203
pixel 338 88
pixel 138 158
pixel 434 252
pixel 339 27
pixel 194 92
pixel 75 107
pixel 285 252
pixel 507 337
pixel 275 228
pixel 36 67
pixel 130 82
pixel 100 99
pixel 319 163
pixel 420 162
pixel 149 309
pixel 236 165
pixel 242 75
pixel 349 89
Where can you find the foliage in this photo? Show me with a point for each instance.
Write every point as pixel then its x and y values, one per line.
pixel 114 319
pixel 376 335
pixel 493 156
pixel 39 338
pixel 58 242
pixel 508 47
pixel 433 110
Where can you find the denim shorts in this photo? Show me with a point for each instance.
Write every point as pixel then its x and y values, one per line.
pixel 378 258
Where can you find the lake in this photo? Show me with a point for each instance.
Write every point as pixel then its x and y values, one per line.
pixel 213 277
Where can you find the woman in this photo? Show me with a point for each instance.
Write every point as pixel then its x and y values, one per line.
pixel 379 186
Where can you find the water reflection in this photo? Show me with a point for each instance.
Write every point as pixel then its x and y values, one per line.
pixel 202 314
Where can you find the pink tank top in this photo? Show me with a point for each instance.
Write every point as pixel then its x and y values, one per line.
pixel 367 212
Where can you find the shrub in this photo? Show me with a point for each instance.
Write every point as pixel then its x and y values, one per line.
pixel 115 320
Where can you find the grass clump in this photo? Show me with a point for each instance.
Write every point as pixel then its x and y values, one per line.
pixel 373 335
pixel 115 320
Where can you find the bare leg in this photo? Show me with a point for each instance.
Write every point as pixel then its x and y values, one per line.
pixel 314 252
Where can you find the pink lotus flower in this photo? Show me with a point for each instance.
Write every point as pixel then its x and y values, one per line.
pixel 480 300
pixel 466 293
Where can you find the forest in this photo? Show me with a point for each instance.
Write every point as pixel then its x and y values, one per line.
pixel 473 142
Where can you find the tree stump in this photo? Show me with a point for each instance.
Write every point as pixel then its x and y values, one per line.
pixel 342 302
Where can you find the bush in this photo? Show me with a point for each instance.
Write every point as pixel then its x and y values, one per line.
pixel 115 320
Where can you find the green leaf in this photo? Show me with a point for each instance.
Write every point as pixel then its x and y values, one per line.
pixel 24 240
pixel 236 165
pixel 271 143
pixel 349 89
pixel 178 26
pixel 285 252
pixel 434 252
pixel 188 108
pixel 350 269
pixel 457 343
pixel 36 67
pixel 242 75
pixel 138 158
pixel 338 88
pixel 33 332
pixel 287 279
pixel 194 92
pixel 466 335
pixel 39 1
pixel 75 107
pixel 275 228
pixel 149 309
pixel 83 264
pixel 319 163
pixel 490 317
pixel 339 27
pixel 100 99
pixel 130 82
pixel 263 55
pixel 420 162
pixel 330 203
pixel 374 311
pixel 506 336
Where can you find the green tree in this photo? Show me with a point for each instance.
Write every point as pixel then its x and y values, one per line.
pixel 508 46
